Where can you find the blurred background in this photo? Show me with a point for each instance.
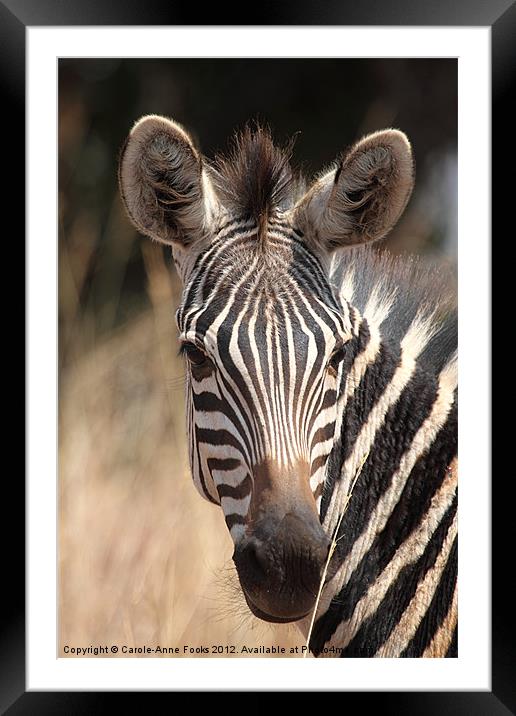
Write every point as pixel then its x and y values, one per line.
pixel 143 559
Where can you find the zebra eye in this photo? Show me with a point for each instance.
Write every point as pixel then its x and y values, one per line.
pixel 336 359
pixel 195 356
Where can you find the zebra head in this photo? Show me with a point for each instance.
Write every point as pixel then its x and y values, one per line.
pixel 264 334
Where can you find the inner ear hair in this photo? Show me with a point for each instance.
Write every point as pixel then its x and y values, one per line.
pixel 160 177
pixel 363 196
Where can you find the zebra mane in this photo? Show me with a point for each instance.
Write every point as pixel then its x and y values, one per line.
pixel 255 177
pixel 398 292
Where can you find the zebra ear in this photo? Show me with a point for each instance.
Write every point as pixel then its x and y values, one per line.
pixel 362 198
pixel 166 192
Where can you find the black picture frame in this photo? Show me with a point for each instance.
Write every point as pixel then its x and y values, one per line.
pixel 15 17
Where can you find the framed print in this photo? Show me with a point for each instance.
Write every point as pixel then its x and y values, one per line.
pixel 133 582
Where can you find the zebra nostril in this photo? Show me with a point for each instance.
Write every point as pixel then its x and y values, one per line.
pixel 256 557
pixel 252 561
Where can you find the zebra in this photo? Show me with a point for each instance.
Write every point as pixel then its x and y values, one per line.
pixel 321 382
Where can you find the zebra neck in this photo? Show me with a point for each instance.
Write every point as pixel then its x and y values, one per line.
pixel 389 407
pixel 387 479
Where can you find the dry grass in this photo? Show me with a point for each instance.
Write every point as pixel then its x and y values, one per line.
pixel 143 559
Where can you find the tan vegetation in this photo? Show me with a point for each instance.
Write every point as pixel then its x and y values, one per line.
pixel 143 559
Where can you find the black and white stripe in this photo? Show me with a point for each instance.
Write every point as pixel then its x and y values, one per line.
pixel 393 591
pixel 320 375
pixel 270 323
pixel 262 320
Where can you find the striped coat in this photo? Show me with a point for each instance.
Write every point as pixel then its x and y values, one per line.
pixel 321 384
pixel 395 592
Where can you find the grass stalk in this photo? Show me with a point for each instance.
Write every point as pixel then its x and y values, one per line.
pixel 331 550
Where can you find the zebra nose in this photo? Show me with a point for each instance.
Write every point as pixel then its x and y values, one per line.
pixel 256 556
pixel 280 565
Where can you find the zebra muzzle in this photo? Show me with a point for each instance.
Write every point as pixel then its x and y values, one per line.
pixel 280 564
